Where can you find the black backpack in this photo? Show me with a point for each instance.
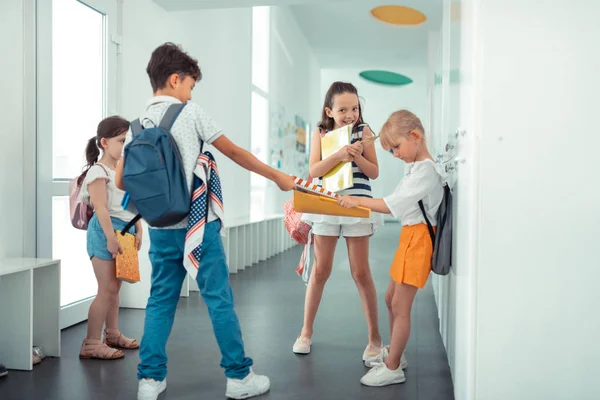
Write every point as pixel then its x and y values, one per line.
pixel 441 262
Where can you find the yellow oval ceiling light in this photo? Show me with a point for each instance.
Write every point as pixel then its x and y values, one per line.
pixel 399 15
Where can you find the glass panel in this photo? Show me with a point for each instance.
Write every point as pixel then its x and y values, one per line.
pixel 78 83
pixel 259 131
pixel 69 245
pixel 260 148
pixel 260 47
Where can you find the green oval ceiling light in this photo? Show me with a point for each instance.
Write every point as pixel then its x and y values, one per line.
pixel 385 78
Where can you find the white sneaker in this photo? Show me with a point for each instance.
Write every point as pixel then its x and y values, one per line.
pixel 403 360
pixel 252 385
pixel 149 389
pixel 371 357
pixel 381 357
pixel 380 375
pixel 302 345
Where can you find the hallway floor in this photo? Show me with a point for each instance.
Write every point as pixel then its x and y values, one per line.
pixel 269 303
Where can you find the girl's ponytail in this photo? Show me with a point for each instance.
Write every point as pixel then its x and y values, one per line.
pixel 92 153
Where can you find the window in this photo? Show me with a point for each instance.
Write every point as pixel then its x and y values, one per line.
pixel 261 36
pixel 260 103
pixel 78 105
pixel 78 95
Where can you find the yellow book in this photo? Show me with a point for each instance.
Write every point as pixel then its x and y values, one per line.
pixel 128 267
pixel 340 177
pixel 313 199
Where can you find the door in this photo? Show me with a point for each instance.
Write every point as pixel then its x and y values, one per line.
pixel 77 87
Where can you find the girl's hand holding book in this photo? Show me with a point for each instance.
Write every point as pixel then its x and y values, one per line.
pixel 138 240
pixel 349 201
pixel 138 235
pixel 113 247
pixel 355 150
pixel 343 154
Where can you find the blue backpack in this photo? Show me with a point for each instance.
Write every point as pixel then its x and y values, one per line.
pixel 153 173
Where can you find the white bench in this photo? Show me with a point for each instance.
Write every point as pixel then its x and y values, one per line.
pixel 29 310
pixel 249 241
pixel 252 240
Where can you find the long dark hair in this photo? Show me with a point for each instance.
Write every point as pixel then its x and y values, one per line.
pixel 107 128
pixel 335 89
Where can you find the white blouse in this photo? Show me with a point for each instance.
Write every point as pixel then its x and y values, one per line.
pixel 422 181
pixel 115 195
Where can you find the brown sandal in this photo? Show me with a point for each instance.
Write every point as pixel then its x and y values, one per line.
pixel 115 339
pixel 95 349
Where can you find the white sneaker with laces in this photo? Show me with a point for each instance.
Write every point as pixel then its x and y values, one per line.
pixel 252 385
pixel 380 375
pixel 149 389
pixel 382 356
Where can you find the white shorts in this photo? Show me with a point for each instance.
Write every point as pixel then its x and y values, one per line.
pixel 351 230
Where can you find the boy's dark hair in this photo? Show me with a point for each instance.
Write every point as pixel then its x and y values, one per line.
pixel 335 89
pixel 169 59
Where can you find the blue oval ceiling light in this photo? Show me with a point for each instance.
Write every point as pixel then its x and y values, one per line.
pixel 385 78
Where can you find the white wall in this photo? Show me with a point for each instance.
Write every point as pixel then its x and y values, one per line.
pixel 457 106
pixel 294 80
pixel 379 102
pixel 221 42
pixel 17 153
pixel 524 318
pixel 539 212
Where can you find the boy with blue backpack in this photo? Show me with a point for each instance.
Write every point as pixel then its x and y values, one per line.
pixel 175 187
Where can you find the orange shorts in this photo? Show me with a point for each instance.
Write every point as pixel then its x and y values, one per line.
pixel 412 262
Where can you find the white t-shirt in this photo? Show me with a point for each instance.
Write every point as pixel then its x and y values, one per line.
pixel 422 181
pixel 191 126
pixel 115 195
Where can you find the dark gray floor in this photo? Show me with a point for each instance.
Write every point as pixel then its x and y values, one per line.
pixel 269 302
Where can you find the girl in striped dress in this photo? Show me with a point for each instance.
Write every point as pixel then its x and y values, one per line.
pixel 341 108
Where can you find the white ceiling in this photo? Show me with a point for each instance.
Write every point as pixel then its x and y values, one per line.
pixel 343 34
pixel 177 5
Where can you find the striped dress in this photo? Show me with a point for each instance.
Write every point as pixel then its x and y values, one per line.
pixel 361 188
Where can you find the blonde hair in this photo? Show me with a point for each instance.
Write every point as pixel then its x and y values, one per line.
pixel 400 123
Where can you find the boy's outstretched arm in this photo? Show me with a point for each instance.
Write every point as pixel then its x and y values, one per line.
pixel 377 205
pixel 248 161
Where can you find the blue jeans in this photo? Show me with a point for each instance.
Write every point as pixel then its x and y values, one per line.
pixel 168 273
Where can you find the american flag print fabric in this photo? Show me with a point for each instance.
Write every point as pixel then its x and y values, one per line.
pixel 206 193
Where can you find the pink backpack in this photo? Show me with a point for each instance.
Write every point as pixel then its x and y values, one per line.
pixel 80 211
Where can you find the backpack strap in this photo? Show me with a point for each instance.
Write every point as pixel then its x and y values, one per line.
pixel 102 166
pixel 136 127
pixel 167 121
pixel 130 224
pixel 431 233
